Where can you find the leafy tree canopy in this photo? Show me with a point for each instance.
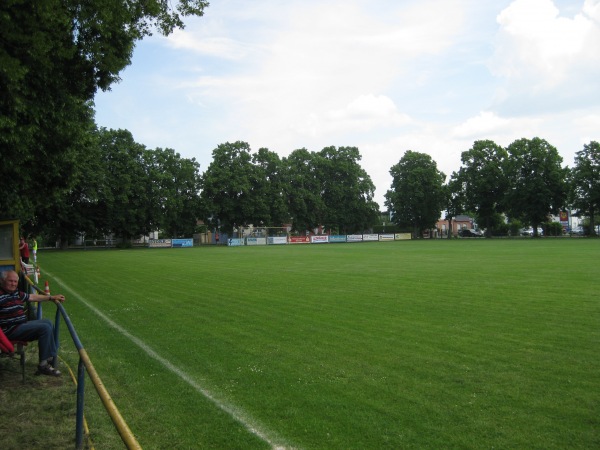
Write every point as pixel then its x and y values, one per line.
pixel 585 183
pixel 483 181
pixel 303 190
pixel 54 56
pixel 227 185
pixel 537 181
pixel 417 195
pixel 347 190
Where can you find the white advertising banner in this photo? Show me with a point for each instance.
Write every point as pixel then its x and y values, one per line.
pixel 256 241
pixel 354 238
pixel 156 243
pixel 277 240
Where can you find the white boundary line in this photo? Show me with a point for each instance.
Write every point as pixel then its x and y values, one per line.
pixel 235 412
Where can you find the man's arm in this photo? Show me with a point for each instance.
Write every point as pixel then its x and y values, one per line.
pixel 46 298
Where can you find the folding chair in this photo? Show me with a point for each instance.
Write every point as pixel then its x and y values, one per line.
pixel 10 347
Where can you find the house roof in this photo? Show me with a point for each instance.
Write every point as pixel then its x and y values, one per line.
pixel 463 218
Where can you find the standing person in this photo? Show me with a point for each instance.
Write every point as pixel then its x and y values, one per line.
pixel 14 323
pixel 34 250
pixel 24 250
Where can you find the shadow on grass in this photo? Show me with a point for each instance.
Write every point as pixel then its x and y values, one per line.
pixel 39 413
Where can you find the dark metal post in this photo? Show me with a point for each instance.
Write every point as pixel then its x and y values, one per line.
pixel 80 404
pixel 56 333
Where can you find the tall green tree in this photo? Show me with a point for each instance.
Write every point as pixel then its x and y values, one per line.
pixel 123 197
pixel 125 189
pixel 484 182
pixel 585 183
pixel 537 181
pixel 54 56
pixel 416 197
pixel 268 191
pixel 227 186
pixel 346 189
pixel 73 212
pixel 304 189
pixel 174 192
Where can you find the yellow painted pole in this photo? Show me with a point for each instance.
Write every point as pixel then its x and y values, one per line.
pixel 126 434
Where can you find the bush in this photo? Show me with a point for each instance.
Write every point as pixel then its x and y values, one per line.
pixel 515 227
pixel 501 229
pixel 552 229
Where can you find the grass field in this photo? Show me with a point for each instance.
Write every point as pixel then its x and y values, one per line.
pixel 417 344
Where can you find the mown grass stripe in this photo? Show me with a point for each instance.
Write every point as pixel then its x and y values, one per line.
pixel 235 412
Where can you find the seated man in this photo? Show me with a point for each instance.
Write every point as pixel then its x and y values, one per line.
pixel 16 327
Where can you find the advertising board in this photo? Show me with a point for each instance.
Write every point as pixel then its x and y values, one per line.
pixel 188 242
pixel 354 238
pixel 160 243
pixel 277 240
pixel 299 240
pixel 256 241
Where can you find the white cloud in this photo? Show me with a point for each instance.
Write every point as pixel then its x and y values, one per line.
pixel 485 123
pixel 365 113
pixel 587 127
pixel 327 60
pixel 591 8
pixel 220 47
pixel 537 46
pixel 488 125
pixel 589 122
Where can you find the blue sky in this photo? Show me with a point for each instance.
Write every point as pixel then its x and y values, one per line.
pixel 386 76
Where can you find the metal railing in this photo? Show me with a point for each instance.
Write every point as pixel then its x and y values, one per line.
pixel 85 364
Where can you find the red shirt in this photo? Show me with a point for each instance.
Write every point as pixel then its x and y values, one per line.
pixel 24 250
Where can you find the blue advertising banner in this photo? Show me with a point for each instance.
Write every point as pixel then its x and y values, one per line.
pixel 183 242
pixel 256 241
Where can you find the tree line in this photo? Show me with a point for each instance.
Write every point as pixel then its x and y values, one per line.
pixel 523 183
pixel 63 177
pixel 119 187
pixel 124 189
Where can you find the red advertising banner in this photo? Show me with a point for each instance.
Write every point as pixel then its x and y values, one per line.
pixel 299 240
pixel 564 216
